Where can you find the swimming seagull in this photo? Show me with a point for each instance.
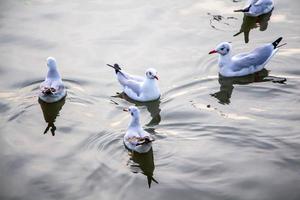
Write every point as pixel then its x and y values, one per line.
pixel 136 138
pixel 244 63
pixel 52 89
pixel 138 88
pixel 255 8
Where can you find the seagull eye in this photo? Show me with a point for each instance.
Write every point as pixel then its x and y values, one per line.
pixel 222 49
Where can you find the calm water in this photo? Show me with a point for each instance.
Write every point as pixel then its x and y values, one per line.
pixel 216 138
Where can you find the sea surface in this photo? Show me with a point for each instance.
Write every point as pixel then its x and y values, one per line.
pixel 216 138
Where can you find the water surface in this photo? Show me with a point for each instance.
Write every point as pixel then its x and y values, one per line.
pixel 216 138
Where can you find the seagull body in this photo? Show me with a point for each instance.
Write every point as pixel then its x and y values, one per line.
pixel 52 89
pixel 136 138
pixel 255 8
pixel 138 88
pixel 244 63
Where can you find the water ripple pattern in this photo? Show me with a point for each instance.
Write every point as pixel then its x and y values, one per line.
pixel 216 138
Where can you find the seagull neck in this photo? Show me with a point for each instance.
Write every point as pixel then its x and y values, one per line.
pixel 53 73
pixel 224 60
pixel 135 122
pixel 149 81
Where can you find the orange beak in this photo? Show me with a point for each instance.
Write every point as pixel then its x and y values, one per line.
pixel 213 51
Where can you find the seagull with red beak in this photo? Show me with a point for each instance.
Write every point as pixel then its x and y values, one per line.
pixel 138 88
pixel 244 63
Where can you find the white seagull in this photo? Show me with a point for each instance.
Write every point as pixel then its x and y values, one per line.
pixel 52 89
pixel 139 88
pixel 255 8
pixel 244 63
pixel 136 138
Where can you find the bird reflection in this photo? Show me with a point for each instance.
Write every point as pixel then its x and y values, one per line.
pixel 50 112
pixel 143 163
pixel 254 22
pixel 152 107
pixel 226 83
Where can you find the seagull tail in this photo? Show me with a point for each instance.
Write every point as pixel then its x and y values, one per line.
pixel 116 67
pixel 276 42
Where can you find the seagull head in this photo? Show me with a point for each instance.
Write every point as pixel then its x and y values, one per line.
pixel 134 111
pixel 222 49
pixel 51 63
pixel 151 73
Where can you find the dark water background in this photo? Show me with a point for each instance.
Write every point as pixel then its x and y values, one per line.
pixel 216 138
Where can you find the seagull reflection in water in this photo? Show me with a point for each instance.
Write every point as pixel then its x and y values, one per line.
pixel 143 163
pixel 249 23
pixel 226 83
pixel 50 112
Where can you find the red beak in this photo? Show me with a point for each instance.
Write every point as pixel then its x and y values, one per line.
pixel 213 51
pixel 126 110
pixel 156 77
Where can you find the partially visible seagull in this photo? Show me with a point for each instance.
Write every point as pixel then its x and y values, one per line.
pixel 52 89
pixel 136 138
pixel 257 7
pixel 138 88
pixel 244 63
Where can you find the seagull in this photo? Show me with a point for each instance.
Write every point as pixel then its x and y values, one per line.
pixel 138 88
pixel 244 63
pixel 255 8
pixel 52 89
pixel 136 138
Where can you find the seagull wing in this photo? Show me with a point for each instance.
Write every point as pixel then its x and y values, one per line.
pixel 263 3
pixel 261 7
pixel 45 85
pixel 128 83
pixel 134 77
pixel 125 74
pixel 254 58
pixel 58 86
pixel 134 86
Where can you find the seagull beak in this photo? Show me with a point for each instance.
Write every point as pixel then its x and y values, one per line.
pixel 156 77
pixel 125 110
pixel 213 51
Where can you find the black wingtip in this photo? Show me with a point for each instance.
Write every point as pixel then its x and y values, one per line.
pixel 276 42
pixel 240 10
pixel 115 66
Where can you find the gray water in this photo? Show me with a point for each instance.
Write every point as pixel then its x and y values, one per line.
pixel 216 138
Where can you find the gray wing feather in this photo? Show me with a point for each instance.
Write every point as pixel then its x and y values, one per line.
pixel 133 77
pixel 254 58
pixel 58 86
pixel 45 85
pixel 135 86
pixel 263 2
